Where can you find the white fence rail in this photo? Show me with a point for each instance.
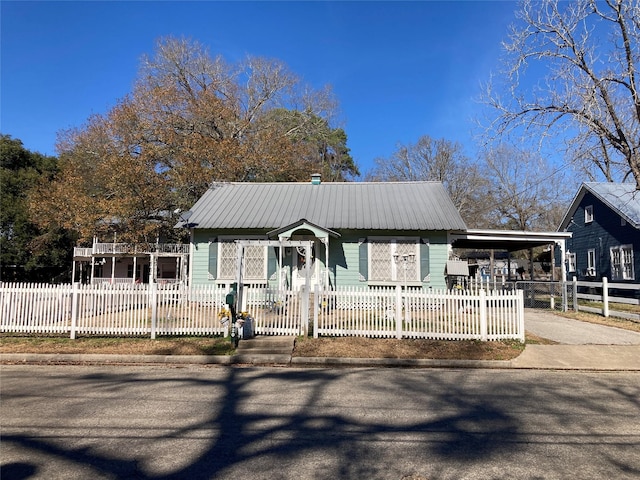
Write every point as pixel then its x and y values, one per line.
pixel 606 293
pixel 174 309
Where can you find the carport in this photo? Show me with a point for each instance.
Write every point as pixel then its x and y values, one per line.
pixel 511 241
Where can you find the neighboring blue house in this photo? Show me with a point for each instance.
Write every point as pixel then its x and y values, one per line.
pixel 605 221
pixel 364 234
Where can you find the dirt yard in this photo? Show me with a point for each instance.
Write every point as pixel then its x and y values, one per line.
pixel 355 347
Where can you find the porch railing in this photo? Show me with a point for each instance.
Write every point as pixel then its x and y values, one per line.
pixel 131 249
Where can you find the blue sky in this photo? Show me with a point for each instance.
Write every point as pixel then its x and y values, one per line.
pixel 398 69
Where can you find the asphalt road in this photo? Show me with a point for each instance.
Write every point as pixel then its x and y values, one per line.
pixel 204 422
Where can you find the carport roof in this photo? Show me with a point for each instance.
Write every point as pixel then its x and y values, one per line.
pixel 508 240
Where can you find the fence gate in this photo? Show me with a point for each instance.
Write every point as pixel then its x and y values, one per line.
pixel 278 312
pixel 275 311
pixel 544 295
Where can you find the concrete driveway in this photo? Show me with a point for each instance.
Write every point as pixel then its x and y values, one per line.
pixel 574 332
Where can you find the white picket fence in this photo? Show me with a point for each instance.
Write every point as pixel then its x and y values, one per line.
pixel 140 309
pixel 153 310
pixel 447 315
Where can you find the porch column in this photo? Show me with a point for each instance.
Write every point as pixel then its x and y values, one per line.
pixel 279 269
pixel 492 273
pixel 152 268
pixel 325 241
pixel 281 239
pixel 563 252
pixel 135 270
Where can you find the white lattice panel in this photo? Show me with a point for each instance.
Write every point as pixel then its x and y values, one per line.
pixel 380 261
pixel 254 262
pixel 227 254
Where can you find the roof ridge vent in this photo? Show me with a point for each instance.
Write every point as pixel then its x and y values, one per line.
pixel 315 179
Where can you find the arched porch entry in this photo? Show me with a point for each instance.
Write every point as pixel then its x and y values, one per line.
pixel 294 264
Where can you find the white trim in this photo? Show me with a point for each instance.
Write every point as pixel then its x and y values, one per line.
pixel 588 214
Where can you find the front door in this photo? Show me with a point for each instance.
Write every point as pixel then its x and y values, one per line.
pixel 299 270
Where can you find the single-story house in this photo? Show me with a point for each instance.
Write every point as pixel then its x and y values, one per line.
pixel 604 219
pixel 360 234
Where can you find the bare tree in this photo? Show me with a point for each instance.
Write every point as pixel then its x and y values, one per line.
pixel 526 192
pixel 438 160
pixel 582 58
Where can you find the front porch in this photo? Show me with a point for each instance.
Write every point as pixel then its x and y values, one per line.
pixel 126 263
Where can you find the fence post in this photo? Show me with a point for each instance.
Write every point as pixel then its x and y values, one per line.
pixel 484 334
pixel 75 297
pixel 520 302
pixel 153 298
pixel 317 305
pixel 398 311
pixel 605 297
pixel 575 294
pixel 304 317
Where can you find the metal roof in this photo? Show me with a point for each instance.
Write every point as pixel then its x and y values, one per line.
pixel 355 205
pixel 619 197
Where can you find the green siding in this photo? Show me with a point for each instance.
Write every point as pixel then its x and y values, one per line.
pixel 438 256
pixel 200 257
pixel 344 253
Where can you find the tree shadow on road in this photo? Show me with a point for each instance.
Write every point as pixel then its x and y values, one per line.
pixel 244 431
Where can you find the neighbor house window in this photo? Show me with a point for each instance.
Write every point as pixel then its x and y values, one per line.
pixel 588 214
pixel 387 260
pixel 254 261
pixel 591 262
pixel 622 263
pixel 571 262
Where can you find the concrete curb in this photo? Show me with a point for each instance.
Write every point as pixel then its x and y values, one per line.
pixel 244 359
pixel 55 358
pixel 534 357
pixel 398 362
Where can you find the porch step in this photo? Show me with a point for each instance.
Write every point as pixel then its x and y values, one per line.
pixel 265 349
